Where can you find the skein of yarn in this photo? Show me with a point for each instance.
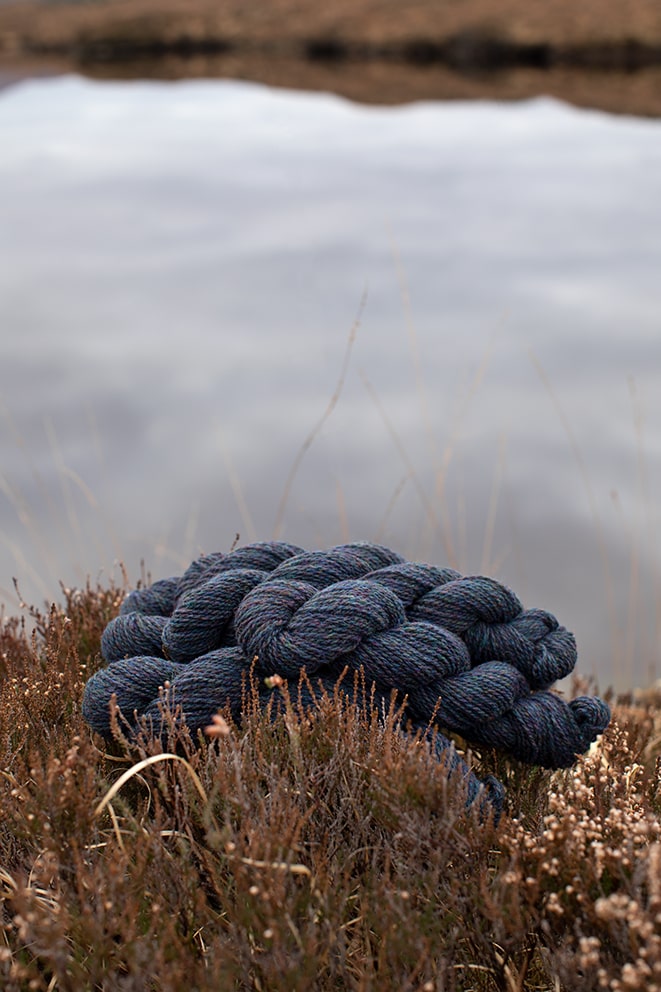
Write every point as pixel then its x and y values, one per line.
pixel 461 650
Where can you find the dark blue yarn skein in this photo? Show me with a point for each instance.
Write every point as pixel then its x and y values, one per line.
pixel 412 580
pixel 530 639
pixel 462 651
pixel 142 686
pixel 204 618
pixel 156 600
pixel 461 603
pixel 133 634
pixel 346 561
pixel 185 599
pixel 487 616
pixel 264 556
pixel 134 682
pixel 533 641
pixel 286 626
pixel 290 625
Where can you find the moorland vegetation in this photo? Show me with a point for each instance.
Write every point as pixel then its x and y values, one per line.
pixel 320 851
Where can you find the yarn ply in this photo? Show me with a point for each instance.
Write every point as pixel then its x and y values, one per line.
pixel 459 650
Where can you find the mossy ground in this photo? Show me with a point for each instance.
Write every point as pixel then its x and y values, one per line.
pixel 313 852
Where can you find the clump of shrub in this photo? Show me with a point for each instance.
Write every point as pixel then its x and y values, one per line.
pixel 318 850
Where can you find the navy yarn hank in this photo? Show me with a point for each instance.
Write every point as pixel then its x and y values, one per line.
pixel 459 650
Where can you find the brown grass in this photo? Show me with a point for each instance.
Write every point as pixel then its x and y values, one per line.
pixel 318 851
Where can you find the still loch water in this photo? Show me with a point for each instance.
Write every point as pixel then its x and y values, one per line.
pixel 181 268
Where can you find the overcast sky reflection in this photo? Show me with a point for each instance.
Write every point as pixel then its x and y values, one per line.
pixel 181 268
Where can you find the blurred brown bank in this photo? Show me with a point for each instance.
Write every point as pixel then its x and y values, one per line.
pixel 604 54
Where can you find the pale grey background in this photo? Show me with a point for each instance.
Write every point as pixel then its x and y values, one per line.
pixel 181 265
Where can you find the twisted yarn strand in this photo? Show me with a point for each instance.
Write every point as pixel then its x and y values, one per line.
pixel 461 650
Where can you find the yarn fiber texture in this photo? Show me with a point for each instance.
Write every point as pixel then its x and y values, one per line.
pixel 460 650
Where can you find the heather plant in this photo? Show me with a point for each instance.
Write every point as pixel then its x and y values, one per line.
pixel 317 850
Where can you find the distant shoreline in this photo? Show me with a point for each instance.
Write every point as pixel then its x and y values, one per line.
pixel 635 94
pixel 598 57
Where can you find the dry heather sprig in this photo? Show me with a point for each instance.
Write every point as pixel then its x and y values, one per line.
pixel 318 850
pixel 586 877
pixel 219 727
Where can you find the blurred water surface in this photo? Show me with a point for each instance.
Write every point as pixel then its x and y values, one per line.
pixel 181 268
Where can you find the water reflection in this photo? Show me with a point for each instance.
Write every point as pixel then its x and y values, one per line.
pixel 182 265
